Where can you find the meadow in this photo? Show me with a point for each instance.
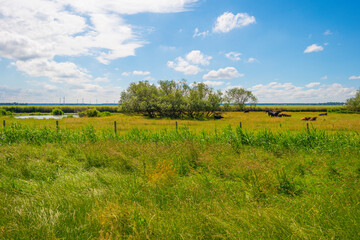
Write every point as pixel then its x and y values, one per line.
pixel 271 178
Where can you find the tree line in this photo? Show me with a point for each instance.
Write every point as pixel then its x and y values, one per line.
pixel 177 99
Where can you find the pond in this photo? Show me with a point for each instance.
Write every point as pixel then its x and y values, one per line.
pixel 45 116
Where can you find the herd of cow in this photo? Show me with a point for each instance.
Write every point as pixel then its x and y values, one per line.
pixel 277 113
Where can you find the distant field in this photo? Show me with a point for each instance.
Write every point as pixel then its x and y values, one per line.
pixel 251 121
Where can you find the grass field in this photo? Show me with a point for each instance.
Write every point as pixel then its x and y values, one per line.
pixel 252 120
pixel 208 180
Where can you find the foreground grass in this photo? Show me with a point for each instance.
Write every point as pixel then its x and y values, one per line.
pixel 234 184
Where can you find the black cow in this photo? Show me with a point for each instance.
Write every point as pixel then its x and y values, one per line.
pixel 323 114
pixel 273 113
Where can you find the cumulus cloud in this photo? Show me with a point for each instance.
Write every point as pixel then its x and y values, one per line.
pixel 223 73
pixel 354 77
pixel 313 84
pixel 313 48
pixel 275 92
pixel 214 83
pixel 235 56
pixel 33 33
pixel 142 73
pixel 197 33
pixel 196 57
pixel 252 60
pixel 190 64
pixel 228 21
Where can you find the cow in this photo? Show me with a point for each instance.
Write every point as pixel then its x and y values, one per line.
pixel 323 114
pixel 246 111
pixel 305 118
pixel 218 116
pixel 273 113
pixel 285 115
pixel 313 119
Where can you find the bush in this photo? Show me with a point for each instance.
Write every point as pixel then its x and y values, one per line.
pixel 2 112
pixel 91 112
pixel 105 114
pixel 57 112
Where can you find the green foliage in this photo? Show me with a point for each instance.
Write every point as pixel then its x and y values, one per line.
pixel 354 102
pixel 170 99
pixel 239 96
pixel 57 111
pixel 2 112
pixel 90 112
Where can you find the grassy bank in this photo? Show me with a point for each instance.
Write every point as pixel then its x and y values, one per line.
pixel 112 189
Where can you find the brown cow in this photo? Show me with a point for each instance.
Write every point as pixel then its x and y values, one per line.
pixel 305 118
pixel 313 119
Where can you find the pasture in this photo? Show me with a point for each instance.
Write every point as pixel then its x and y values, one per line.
pixel 273 178
pixel 251 121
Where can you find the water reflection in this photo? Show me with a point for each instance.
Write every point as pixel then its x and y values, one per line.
pixel 46 116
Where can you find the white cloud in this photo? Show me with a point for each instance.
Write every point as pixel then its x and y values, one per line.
pixel 328 32
pixel 214 83
pixel 313 48
pixel 126 74
pixel 354 77
pixel 102 79
pixel 252 60
pixel 197 33
pixel 223 73
pixel 142 73
pixel 190 65
pixel 196 57
pixel 33 33
pixel 324 77
pixel 228 21
pixel 235 56
pixel 181 65
pixel 313 84
pixel 275 92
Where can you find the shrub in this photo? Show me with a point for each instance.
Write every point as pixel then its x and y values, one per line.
pixel 2 112
pixel 105 114
pixel 57 111
pixel 91 112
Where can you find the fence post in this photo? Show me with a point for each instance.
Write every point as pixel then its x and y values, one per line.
pixel 176 126
pixel 115 127
pixel 240 125
pixel 307 126
pixel 57 125
pixel 4 124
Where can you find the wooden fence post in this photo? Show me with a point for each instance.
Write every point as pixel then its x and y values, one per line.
pixel 307 126
pixel 115 127
pixel 176 126
pixel 240 125
pixel 4 124
pixel 57 125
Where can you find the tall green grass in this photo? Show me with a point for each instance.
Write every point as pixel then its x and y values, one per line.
pixel 308 138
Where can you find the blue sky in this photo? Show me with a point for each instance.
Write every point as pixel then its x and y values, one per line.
pixel 283 51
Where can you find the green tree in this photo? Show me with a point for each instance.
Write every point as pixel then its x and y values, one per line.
pixel 57 111
pixel 354 102
pixel 239 96
pixel 141 97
